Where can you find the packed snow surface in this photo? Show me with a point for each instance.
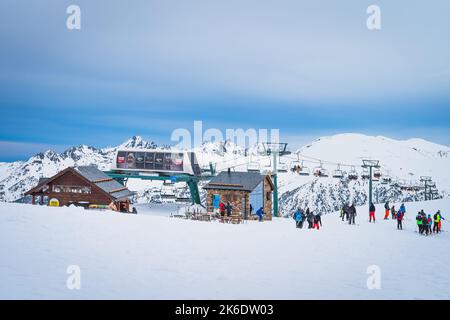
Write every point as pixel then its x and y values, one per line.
pixel 153 256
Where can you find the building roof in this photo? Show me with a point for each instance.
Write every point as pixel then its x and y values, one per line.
pixel 94 176
pixel 104 182
pixel 230 180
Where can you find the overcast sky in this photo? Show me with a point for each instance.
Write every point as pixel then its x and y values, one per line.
pixel 309 68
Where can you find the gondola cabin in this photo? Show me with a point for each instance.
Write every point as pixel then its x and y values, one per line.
pixel 163 162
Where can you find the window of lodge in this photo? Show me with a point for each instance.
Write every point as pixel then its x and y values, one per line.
pixel 71 189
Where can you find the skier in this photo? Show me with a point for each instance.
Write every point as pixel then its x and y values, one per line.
pixel 393 213
pixel 419 221
pixel 403 208
pixel 437 221
pixel 399 220
pixel 387 210
pixel 298 216
pixel 260 213
pixel 229 209
pixel 351 214
pixel 372 212
pixel 429 224
pixel 424 224
pixel 309 218
pixel 317 221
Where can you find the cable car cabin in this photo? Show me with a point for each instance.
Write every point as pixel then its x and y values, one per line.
pixel 164 162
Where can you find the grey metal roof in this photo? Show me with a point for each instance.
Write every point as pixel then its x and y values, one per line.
pixel 122 194
pixel 91 173
pixel 109 185
pixel 225 180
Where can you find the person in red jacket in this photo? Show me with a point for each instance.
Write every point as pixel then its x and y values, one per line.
pixel 372 212
pixel 222 209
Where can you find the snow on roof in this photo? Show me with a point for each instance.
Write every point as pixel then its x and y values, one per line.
pixel 229 180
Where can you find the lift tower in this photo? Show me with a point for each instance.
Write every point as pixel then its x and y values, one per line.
pixel 370 164
pixel 275 150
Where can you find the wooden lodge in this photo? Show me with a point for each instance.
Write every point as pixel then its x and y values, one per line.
pixel 84 186
pixel 242 190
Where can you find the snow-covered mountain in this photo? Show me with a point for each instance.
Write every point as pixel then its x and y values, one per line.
pixel 18 177
pixel 403 161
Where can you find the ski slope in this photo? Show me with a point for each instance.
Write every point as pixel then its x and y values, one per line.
pixel 152 256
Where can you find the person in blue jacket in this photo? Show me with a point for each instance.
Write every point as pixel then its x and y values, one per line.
pixel 260 213
pixel 298 216
pixel 403 208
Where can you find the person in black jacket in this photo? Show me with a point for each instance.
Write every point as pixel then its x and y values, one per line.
pixel 229 209
pixel 309 218
pixel 372 212
pixel 351 214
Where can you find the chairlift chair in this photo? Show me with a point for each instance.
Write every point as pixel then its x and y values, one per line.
pixel 253 167
pixel 304 171
pixel 296 164
pixel 282 167
pixel 168 191
pixel 320 171
pixel 338 172
pixel 365 174
pixel 353 174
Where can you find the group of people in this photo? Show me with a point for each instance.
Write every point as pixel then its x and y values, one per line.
pixel 301 216
pixel 427 224
pixel 348 213
pixel 227 210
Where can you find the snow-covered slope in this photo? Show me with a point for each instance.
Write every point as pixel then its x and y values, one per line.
pixel 149 256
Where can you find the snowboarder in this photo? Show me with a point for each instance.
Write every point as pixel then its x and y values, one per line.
pixel 437 221
pixel 393 213
pixel 372 212
pixel 387 210
pixel 351 214
pixel 399 220
pixel 260 213
pixel 229 209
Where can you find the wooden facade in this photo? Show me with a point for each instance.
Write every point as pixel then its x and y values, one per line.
pixel 70 186
pixel 238 188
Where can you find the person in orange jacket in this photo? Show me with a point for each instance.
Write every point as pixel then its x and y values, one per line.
pixel 387 210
